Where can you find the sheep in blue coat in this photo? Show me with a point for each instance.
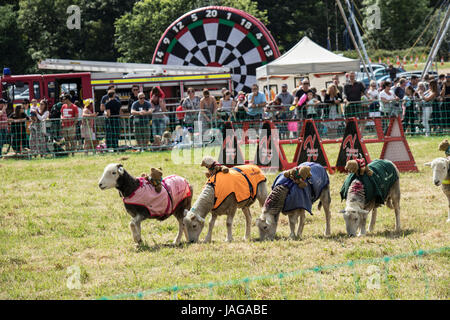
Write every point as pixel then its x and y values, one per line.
pixel 287 197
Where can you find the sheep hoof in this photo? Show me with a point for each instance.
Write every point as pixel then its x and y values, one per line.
pixel 229 239
pixel 327 234
pixel 292 237
pixel 139 244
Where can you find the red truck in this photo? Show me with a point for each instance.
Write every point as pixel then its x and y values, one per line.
pixel 39 86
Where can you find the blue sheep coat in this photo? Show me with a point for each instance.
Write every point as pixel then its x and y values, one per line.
pixel 303 198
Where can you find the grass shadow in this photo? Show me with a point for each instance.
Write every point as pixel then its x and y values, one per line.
pixel 158 246
pixel 391 234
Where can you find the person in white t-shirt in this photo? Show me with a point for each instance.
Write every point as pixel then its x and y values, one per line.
pixel 388 98
pixel 374 95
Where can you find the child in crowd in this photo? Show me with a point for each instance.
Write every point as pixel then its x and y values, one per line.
pixel 311 106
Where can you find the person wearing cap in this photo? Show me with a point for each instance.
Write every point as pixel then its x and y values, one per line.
pixel 141 112
pixel 256 103
pixel 304 89
pixel 87 126
pixel 3 124
pixel 287 99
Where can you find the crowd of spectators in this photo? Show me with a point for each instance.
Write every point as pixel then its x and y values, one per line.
pixel 423 106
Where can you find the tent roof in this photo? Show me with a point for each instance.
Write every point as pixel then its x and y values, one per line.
pixel 307 57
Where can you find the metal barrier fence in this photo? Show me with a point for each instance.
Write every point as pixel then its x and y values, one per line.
pixel 283 276
pixel 27 138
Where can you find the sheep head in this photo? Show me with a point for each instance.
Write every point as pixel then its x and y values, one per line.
pixel 194 224
pixel 354 218
pixel 441 169
pixel 267 227
pixel 110 176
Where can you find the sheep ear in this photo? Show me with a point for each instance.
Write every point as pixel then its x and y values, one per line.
pixel 342 211
pixel 428 164
pixel 364 212
pixel 185 212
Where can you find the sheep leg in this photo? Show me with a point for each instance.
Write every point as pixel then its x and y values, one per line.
pixel 248 223
pixel 181 228
pixel 293 218
pixel 373 220
pixel 326 201
pixel 210 228
pixel 230 218
pixel 362 226
pixel 397 216
pixel 448 218
pixel 135 226
pixel 301 224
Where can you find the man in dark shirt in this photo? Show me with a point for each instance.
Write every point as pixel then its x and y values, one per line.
pixel 134 96
pixel 400 89
pixel 301 110
pixel 113 127
pixel 105 99
pixel 353 91
pixel 392 72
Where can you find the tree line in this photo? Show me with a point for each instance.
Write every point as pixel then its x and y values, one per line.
pixel 129 30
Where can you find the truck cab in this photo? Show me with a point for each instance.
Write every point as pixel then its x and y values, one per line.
pixel 15 89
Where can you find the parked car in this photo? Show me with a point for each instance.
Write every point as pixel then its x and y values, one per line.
pixel 379 73
pixel 408 74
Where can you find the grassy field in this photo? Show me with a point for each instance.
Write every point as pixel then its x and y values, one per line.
pixel 445 68
pixel 54 218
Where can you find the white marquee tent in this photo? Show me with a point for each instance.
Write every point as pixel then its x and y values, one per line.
pixel 307 57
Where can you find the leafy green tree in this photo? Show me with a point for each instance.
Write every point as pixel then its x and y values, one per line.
pixel 401 23
pixel 14 54
pixel 43 24
pixel 138 32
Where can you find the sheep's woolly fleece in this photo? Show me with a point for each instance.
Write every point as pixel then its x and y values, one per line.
pixel 376 186
pixel 303 198
pixel 160 204
pixel 242 181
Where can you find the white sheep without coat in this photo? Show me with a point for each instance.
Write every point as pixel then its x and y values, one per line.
pixel 441 177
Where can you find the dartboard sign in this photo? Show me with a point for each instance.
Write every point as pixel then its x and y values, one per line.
pixel 218 36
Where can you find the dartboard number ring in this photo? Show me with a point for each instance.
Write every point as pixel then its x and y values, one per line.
pixel 218 36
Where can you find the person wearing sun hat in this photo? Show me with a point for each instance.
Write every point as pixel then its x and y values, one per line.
pixel 87 126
